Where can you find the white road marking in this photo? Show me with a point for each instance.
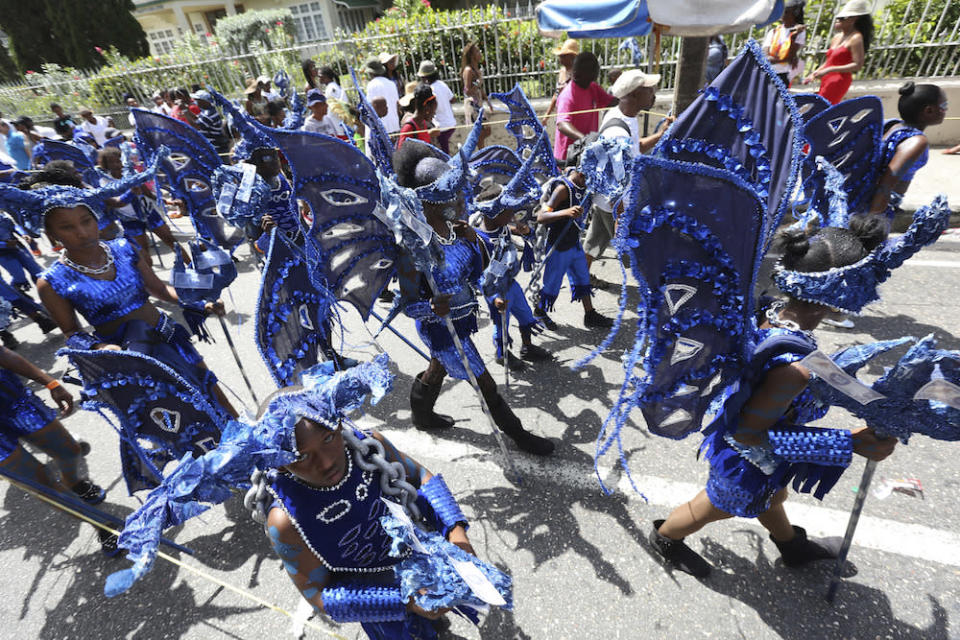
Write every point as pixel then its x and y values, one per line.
pixel 935 264
pixel 890 536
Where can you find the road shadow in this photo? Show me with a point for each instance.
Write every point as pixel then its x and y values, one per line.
pixel 791 602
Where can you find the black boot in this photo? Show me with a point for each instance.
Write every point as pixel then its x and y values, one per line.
pixel 678 554
pixel 510 424
pixel 422 399
pixel 800 550
pixel 9 341
pixel 44 322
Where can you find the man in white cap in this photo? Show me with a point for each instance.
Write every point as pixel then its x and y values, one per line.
pixel 637 91
pixel 380 86
pixel 266 90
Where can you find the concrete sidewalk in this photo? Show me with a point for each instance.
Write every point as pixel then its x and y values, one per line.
pixel 939 176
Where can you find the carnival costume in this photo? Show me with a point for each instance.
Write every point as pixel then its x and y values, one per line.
pixel 852 136
pixel 695 235
pixel 280 205
pixel 187 172
pixel 24 413
pixel 520 193
pixel 15 260
pixel 565 255
pixel 376 556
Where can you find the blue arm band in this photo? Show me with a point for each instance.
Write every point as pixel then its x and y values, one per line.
pixel 418 309
pixel 359 603
pixel 83 340
pixel 830 447
pixel 439 507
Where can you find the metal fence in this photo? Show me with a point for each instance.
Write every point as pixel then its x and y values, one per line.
pixel 913 38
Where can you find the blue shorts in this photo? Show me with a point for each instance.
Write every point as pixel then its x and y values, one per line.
pixel 573 264
pixel 518 308
pixel 24 413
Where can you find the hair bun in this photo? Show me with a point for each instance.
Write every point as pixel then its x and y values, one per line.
pixel 870 230
pixel 795 243
pixel 907 88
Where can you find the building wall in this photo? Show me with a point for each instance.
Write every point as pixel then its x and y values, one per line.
pixel 163 27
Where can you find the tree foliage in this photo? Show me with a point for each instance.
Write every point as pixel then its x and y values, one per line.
pixel 70 33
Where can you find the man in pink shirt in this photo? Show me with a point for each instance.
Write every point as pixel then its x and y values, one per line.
pixel 583 94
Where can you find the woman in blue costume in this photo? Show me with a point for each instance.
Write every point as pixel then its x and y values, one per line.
pixel 905 147
pixel 109 284
pixel 418 165
pixel 755 444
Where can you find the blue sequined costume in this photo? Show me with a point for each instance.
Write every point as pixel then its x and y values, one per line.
pixel 16 260
pixel 281 207
pixel 138 213
pixel 744 479
pixel 891 141
pixel 24 413
pixel 567 257
pixel 461 266
pixel 341 527
pixel 104 301
pixel 517 306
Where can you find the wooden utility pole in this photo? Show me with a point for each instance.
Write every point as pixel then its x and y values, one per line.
pixel 691 67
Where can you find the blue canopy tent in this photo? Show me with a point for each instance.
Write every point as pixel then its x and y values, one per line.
pixel 629 18
pixel 599 19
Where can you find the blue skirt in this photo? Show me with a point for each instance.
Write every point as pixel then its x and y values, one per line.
pixel 23 413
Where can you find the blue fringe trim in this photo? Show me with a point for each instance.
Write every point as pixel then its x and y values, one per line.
pixel 580 291
pixel 830 447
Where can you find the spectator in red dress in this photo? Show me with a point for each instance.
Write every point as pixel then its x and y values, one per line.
pixel 420 126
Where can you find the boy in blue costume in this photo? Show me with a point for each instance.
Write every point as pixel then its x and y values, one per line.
pixel 564 205
pixel 339 505
pixel 420 166
pixel 496 226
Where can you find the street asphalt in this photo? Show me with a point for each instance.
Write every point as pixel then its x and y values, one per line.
pixel 579 558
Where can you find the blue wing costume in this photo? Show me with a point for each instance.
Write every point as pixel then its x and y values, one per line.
pixel 187 172
pixel 527 130
pixel 162 415
pixel 292 314
pixel 696 234
pixel 84 160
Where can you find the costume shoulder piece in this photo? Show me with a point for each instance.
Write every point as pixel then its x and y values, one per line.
pixel 531 137
pixel 700 215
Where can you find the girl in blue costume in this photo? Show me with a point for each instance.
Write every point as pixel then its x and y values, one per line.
pixel 109 284
pixel 419 165
pixel 905 146
pixel 754 445
pixel 134 214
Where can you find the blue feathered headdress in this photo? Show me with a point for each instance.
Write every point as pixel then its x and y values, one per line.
pixel 452 183
pixel 520 192
pixel 32 205
pixel 326 397
pixel 852 287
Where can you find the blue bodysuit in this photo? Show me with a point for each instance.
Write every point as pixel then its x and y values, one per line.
pixel 23 413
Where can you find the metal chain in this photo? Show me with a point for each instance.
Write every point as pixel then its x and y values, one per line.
pixel 369 455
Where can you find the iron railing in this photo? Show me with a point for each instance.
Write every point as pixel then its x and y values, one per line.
pixel 914 38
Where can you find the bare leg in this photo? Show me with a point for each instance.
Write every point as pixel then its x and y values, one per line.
pixel 952 150
pixel 55 441
pixel 220 396
pixel 690 517
pixel 24 464
pixel 587 302
pixel 434 374
pixel 775 519
pixel 166 237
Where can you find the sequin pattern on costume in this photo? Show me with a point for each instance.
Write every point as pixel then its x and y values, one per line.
pixel 102 301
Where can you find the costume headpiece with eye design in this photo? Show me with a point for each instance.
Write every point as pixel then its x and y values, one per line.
pixel 31 205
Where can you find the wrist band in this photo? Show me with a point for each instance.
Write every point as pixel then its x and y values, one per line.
pixel 439 507
pixel 53 384
pixel 829 447
pixel 364 603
